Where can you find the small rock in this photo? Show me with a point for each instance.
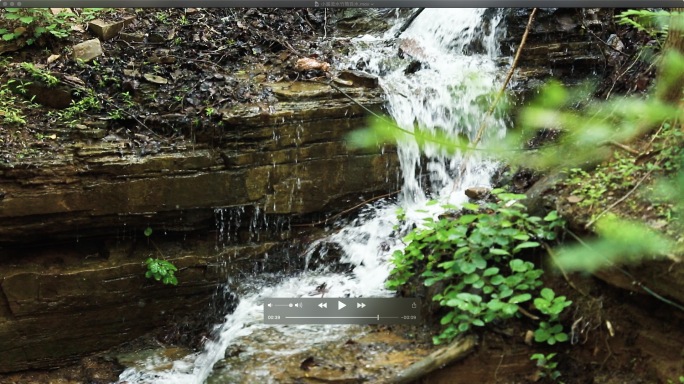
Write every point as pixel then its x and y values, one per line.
pixel 105 30
pixel 57 11
pixel 155 38
pixel 155 79
pixel 359 78
pixel 131 72
pixel 574 199
pixel 53 97
pixel 162 56
pixel 87 50
pixel 477 193
pixel 132 37
pixel 53 58
pixel 414 67
pixel 130 86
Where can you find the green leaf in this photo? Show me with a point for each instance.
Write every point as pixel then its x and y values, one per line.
pixel 621 242
pixel 478 323
pixel 509 309
pixel 11 16
pixel 479 261
pixel 495 305
pixel 8 36
pixel 548 294
pixel 526 244
pixel 541 335
pixel 497 279
pixel 467 219
pixel 447 318
pixel 471 206
pixel 562 337
pixel 553 215
pixel 26 19
pixel 520 298
pixel 490 271
pixel 467 267
pixel 521 237
pixel 497 251
pixel 517 265
pixel 470 279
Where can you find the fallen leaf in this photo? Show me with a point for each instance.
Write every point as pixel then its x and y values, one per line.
pixel 155 79
pixel 307 63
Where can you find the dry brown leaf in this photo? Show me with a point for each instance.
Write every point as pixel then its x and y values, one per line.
pixel 307 64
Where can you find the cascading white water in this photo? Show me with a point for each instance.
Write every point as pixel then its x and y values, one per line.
pixel 446 94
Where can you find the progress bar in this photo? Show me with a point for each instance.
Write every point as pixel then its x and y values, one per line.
pixel 344 310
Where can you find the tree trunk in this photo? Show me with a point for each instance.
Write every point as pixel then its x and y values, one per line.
pixel 671 78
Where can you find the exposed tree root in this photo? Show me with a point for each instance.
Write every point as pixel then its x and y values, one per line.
pixel 436 360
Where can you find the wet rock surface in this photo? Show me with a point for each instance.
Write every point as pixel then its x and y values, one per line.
pixel 184 132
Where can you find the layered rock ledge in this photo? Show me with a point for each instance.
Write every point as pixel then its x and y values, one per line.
pixel 72 240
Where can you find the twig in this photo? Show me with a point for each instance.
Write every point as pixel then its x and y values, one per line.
pixel 496 371
pixel 489 113
pixel 629 275
pixel 408 22
pixel 622 74
pixel 565 275
pixel 620 200
pixel 623 147
pixel 526 313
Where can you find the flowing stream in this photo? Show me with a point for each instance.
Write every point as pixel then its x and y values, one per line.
pixel 448 94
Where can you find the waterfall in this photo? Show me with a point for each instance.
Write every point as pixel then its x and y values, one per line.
pixel 457 78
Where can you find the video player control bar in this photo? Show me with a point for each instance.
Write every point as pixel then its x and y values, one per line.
pixel 346 4
pixel 391 310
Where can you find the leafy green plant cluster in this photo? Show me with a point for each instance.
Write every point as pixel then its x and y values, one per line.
pixel 546 365
pixel 617 177
pixel 160 269
pixel 474 257
pixel 10 112
pixel 653 23
pixel 550 331
pixel 619 174
pixel 88 102
pixel 40 74
pixel 33 23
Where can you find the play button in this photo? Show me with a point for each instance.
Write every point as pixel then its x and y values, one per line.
pixel 340 305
